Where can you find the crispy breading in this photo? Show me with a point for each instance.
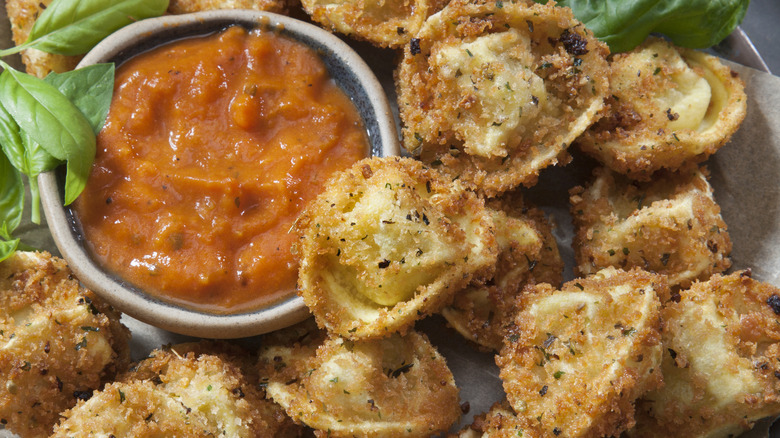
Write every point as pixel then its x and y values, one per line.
pixel 58 342
pixel 23 13
pixel 576 359
pixel 500 422
pixel 182 391
pixel 396 386
pixel 384 23
pixel 528 254
pixel 492 92
pixel 667 106
pixel 187 6
pixel 388 242
pixel 671 225
pixel 721 361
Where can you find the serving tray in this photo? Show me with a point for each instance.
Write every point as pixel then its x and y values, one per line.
pixel 745 178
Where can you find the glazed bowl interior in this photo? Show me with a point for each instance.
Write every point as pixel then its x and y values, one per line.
pixel 347 69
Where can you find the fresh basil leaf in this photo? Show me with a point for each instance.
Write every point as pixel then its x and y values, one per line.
pixel 11 197
pixel 26 156
pixel 11 140
pixel 68 135
pixel 90 89
pixel 7 247
pixel 23 153
pixel 624 24
pixel 36 161
pixel 76 178
pixel 69 27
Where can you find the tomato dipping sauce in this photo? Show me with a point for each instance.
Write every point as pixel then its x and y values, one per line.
pixel 212 147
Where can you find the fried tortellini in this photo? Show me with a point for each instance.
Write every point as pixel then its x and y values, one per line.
pixel 189 6
pixel 492 92
pixel 58 342
pixel 576 359
pixel 189 390
pixel 722 361
pixel 384 23
pixel 390 387
pixel 528 253
pixel 500 422
pixel 388 241
pixel 670 225
pixel 668 106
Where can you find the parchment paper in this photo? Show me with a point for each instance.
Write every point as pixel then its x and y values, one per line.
pixel 745 176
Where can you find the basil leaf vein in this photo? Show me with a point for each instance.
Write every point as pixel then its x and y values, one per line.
pixel 90 89
pixel 68 135
pixel 74 27
pixel 11 197
pixel 624 24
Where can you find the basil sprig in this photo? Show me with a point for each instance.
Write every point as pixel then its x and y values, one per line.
pixel 73 27
pixel 624 24
pixel 48 122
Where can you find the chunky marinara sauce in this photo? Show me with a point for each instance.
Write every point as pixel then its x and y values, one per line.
pixel 212 147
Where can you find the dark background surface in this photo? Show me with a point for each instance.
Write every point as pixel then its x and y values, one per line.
pixel 762 25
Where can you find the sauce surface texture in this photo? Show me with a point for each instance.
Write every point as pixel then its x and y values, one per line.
pixel 212 147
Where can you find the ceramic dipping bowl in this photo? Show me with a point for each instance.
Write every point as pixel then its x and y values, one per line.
pixel 348 70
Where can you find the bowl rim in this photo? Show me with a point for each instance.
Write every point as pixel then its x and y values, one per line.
pixel 170 316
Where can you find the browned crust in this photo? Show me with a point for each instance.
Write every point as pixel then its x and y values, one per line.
pixel 389 23
pixel 57 360
pixel 742 314
pixel 633 137
pixel 612 230
pixel 339 256
pixel 397 386
pixel 430 105
pixel 155 397
pixel 577 372
pixel 481 311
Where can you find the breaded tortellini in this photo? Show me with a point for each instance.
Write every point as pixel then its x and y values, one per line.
pixel 721 361
pixel 500 422
pixel 58 342
pixel 390 387
pixel 387 242
pixel 189 6
pixel 668 106
pixel 384 23
pixel 492 92
pixel 528 254
pixel 577 358
pixel 192 390
pixel 671 225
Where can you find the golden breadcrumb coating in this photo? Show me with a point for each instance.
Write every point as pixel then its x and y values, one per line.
pixel 187 6
pixel 670 225
pixel 388 242
pixel 722 361
pixel 528 254
pixel 384 23
pixel 492 92
pixel 391 387
pixel 500 422
pixel 23 13
pixel 577 359
pixel 58 342
pixel 192 390
pixel 667 106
